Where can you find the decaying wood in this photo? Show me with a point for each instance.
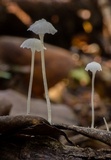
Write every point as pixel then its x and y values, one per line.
pixel 46 148
pixel 101 135
pixel 28 125
pixel 27 137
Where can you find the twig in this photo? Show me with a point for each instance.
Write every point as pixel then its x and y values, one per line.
pixel 101 135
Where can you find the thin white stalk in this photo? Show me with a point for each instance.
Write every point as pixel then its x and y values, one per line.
pixel 30 82
pixel 45 81
pixel 46 86
pixel 106 124
pixel 92 99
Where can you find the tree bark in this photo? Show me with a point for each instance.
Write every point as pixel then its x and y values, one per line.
pixel 33 138
pixel 46 148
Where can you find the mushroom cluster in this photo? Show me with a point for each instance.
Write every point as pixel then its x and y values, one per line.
pixel 40 27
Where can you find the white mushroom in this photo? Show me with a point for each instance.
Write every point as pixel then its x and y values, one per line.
pixel 41 27
pixel 35 45
pixel 93 67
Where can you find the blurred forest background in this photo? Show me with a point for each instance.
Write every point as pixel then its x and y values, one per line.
pixel 84 35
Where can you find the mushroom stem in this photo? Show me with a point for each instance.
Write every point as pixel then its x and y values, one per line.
pixel 92 99
pixel 30 82
pixel 45 81
pixel 46 86
pixel 106 124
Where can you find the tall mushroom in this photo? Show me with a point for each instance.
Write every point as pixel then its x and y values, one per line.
pixel 35 45
pixel 93 67
pixel 41 27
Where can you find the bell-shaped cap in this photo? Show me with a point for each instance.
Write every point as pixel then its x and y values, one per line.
pixel 93 67
pixel 32 43
pixel 42 27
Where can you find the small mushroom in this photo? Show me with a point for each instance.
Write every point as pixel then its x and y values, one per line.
pixel 41 27
pixel 35 45
pixel 93 67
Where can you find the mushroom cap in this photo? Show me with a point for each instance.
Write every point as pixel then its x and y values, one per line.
pixel 42 27
pixel 93 67
pixel 32 43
